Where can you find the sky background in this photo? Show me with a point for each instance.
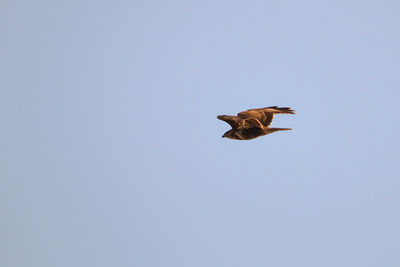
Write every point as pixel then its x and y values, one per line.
pixel 111 153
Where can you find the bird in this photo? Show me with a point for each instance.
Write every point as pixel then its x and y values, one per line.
pixel 253 123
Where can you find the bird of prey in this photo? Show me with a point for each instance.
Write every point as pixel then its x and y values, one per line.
pixel 253 123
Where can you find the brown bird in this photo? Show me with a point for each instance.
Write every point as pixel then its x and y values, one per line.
pixel 253 123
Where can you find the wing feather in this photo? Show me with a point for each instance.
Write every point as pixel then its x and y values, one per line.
pixel 265 115
pixel 233 121
pixel 251 123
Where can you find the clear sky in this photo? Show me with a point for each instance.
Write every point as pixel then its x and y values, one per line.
pixel 111 153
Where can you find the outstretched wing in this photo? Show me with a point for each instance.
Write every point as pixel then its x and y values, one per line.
pixel 251 123
pixel 233 121
pixel 241 122
pixel 265 115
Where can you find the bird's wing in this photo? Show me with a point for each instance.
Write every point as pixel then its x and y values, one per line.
pixel 251 123
pixel 265 115
pixel 233 121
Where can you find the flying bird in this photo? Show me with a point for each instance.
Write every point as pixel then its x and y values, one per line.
pixel 253 123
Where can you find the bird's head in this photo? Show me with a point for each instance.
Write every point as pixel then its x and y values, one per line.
pixel 229 134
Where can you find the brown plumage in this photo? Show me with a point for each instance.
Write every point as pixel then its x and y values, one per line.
pixel 252 123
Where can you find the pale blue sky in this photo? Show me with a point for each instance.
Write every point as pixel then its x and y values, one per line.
pixel 111 153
